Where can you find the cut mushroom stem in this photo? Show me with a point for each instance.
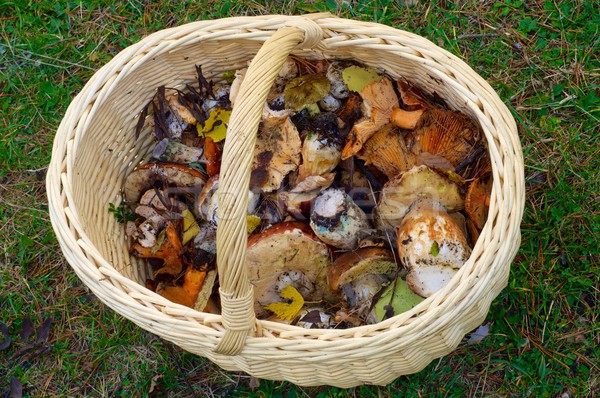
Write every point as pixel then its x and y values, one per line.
pixel 337 220
pixel 431 245
pixel 406 119
pixel 172 151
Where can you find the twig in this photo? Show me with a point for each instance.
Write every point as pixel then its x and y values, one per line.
pixel 476 35
pixel 44 57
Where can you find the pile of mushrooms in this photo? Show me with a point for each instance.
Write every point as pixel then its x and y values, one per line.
pixel 366 195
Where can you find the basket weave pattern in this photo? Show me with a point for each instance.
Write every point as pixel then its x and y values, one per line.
pixel 96 147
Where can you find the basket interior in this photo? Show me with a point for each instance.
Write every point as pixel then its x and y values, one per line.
pixel 107 149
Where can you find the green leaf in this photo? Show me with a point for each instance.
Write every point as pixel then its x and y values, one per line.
pixel 435 248
pixel 396 299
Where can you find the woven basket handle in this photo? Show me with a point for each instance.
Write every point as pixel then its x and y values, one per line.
pixel 237 296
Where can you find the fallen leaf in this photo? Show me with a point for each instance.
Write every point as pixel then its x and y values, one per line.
pixel 6 343
pixel 479 334
pixel 395 299
pixel 190 227
pixel 357 77
pixel 215 126
pixel 252 223
pixel 285 310
pixel 26 329
pixel 16 388
pixel 156 390
pixel 44 331
pixel 254 383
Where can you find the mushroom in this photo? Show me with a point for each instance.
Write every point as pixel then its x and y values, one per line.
pixel 160 201
pixel 169 251
pixel 322 147
pixel 287 254
pixel 379 101
pixel 477 202
pixel 418 182
pixel 338 88
pixel 179 109
pixel 449 134
pixel 359 275
pixel 207 203
pixel 337 220
pixel 145 176
pixel 299 199
pixel 193 281
pixel 305 90
pixel 387 151
pixel 276 154
pixel 431 245
pixel 169 150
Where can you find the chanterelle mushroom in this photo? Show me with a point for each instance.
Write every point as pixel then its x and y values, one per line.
pixel 431 245
pixel 387 151
pixel 287 254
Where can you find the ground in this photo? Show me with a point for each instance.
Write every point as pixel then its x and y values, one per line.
pixel 540 56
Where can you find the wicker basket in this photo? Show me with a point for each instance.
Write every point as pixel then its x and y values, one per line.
pixel 96 146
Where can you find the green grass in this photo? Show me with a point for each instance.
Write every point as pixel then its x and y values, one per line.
pixel 542 57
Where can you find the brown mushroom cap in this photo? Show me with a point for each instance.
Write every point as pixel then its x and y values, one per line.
pixel 419 182
pixel 358 263
pixel 145 176
pixel 283 249
pixel 477 202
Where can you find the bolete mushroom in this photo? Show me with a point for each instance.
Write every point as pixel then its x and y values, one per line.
pixel 358 275
pixel 337 220
pixel 287 254
pixel 431 245
pixel 418 182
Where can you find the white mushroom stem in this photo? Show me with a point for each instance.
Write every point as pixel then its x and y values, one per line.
pixel 337 220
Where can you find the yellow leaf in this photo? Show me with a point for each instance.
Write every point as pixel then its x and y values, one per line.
pixel 357 77
pixel 215 126
pixel 285 310
pixel 252 222
pixel 190 227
